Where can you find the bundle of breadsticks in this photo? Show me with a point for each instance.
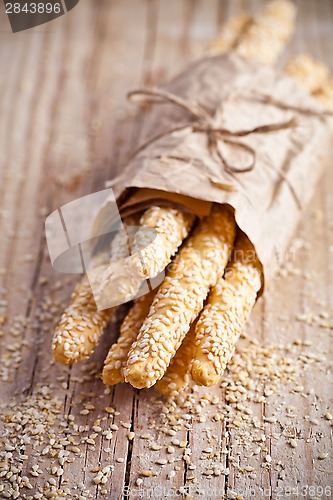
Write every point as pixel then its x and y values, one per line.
pixel 224 182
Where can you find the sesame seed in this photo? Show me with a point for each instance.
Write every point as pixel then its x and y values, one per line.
pixel 126 425
pixel 109 409
pixel 293 443
pixel 155 447
pixel 146 473
pixel 161 461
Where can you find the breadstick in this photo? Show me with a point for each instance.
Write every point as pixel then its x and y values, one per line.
pixel 228 307
pixel 82 324
pixel 268 33
pixel 196 268
pixel 177 375
pixel 117 357
pixel 122 280
pixel 230 33
pixel 172 227
pixel 312 74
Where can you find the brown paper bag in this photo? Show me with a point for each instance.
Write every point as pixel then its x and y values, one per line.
pixel 182 168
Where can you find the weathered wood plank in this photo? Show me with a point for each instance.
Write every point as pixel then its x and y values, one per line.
pixel 66 128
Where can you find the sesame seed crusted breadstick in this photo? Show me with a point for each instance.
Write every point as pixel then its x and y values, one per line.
pixel 117 357
pixel 178 373
pixel 268 33
pixel 228 307
pixel 312 74
pixel 230 32
pixel 118 283
pixel 196 268
pixel 121 281
pixel 172 227
pixel 120 244
pixel 82 324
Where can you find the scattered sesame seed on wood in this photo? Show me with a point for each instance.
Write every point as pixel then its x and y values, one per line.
pixel 281 366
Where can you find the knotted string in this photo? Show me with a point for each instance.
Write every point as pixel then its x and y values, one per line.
pixel 204 124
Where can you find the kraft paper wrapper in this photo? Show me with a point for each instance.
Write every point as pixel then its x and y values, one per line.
pixel 265 208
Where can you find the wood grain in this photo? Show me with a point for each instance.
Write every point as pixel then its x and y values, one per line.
pixel 65 128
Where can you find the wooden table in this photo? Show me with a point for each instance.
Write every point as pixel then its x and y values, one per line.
pixel 65 129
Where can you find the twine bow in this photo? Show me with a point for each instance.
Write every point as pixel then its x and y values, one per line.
pixel 204 124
